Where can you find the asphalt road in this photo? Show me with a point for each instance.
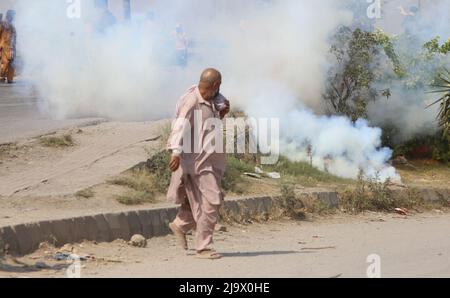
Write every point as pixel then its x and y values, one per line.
pixel 21 116
pixel 383 245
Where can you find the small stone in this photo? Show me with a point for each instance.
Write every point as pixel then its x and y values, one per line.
pixel 221 228
pixel 138 241
pixel 41 265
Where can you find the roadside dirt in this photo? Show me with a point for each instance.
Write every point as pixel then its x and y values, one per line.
pixel 334 246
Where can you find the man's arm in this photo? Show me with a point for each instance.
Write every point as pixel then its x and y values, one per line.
pixel 179 128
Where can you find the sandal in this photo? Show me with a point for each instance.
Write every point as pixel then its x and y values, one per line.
pixel 208 255
pixel 180 235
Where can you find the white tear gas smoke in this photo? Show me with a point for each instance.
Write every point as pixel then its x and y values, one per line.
pixel 272 55
pixel 405 110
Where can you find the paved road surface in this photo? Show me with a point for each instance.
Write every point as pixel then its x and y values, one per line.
pixel 20 116
pixel 417 246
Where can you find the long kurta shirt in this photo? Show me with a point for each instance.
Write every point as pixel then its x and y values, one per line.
pixel 194 162
pixel 205 156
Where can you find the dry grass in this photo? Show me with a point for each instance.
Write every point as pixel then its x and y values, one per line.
pixel 7 149
pixel 297 206
pixel 85 193
pixel 135 198
pixel 137 180
pixel 57 142
pixel 142 185
pixel 371 195
pixel 304 174
pixel 426 173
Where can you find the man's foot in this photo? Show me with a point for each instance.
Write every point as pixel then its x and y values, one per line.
pixel 180 235
pixel 208 254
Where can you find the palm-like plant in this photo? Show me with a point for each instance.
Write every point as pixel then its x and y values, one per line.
pixel 443 87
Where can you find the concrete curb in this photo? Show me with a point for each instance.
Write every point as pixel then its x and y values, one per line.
pixel 25 238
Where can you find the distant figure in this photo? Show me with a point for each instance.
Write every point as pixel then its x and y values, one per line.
pixel 181 45
pixel 8 37
pixel 105 19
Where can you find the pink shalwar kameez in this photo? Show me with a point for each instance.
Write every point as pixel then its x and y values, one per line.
pixel 196 184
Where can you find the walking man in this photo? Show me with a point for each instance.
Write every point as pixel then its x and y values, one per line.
pixel 197 171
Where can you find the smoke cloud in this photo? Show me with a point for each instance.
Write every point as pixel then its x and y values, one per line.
pixel 272 55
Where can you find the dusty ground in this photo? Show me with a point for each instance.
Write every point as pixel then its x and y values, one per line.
pixel 39 182
pixel 336 246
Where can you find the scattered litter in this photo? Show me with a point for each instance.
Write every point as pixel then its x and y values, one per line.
pixel 401 211
pixel 317 237
pixel 41 265
pixel 253 175
pixel 221 228
pixel 62 256
pixel 258 170
pixel 274 175
pixel 302 242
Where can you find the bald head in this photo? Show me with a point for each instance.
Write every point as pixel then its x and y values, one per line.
pixel 210 82
pixel 211 76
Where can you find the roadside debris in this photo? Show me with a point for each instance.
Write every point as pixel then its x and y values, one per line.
pixel 253 175
pixel 62 256
pixel 138 241
pixel 221 228
pixel 273 175
pixel 259 173
pixel 41 265
pixel 401 211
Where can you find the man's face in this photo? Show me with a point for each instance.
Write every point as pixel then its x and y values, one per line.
pixel 215 90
